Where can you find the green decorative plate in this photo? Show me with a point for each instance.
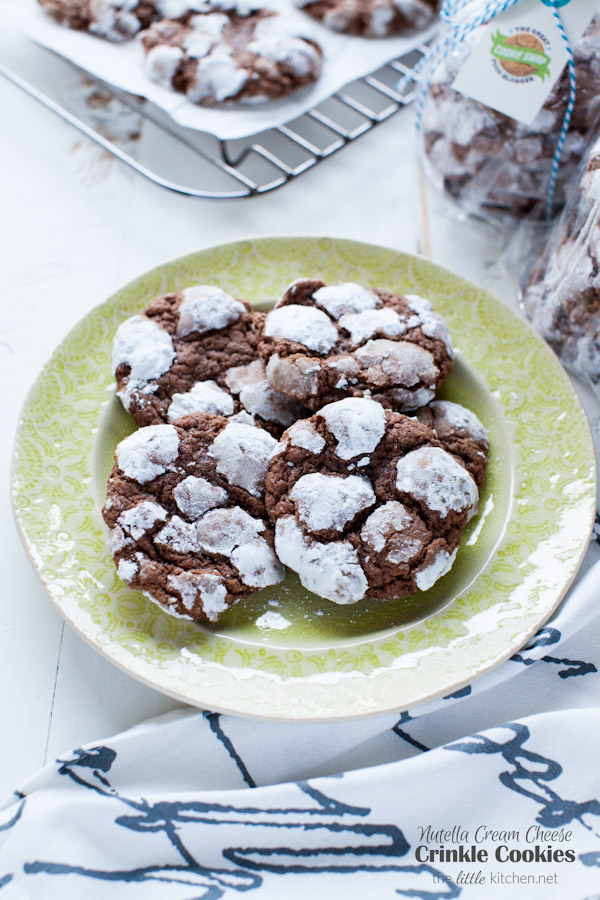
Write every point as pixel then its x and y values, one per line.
pixel 515 563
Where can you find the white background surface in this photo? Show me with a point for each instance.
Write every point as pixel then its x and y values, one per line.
pixel 76 225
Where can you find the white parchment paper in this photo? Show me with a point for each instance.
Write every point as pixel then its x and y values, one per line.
pixel 344 59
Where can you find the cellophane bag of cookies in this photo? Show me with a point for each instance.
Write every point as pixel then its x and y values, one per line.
pixel 496 167
pixel 561 294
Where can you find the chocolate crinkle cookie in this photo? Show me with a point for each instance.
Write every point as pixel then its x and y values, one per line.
pixel 186 514
pixel 325 342
pixel 122 20
pixel 230 53
pixel 372 18
pixel 495 166
pixel 196 351
pixel 367 502
pixel 115 20
pixel 460 432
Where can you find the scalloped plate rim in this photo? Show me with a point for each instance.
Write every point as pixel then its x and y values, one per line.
pixel 234 709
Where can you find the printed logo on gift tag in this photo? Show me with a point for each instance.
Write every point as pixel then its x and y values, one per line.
pixel 521 54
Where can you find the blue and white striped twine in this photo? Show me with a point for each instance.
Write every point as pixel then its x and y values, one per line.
pixel 449 13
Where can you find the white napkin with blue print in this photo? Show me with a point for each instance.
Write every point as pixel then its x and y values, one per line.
pixel 493 792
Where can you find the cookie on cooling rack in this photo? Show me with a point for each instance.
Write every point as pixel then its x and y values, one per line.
pixel 230 53
pixel 186 514
pixel 115 20
pixel 122 20
pixel 372 18
pixel 324 342
pixel 195 351
pixel 460 432
pixel 366 502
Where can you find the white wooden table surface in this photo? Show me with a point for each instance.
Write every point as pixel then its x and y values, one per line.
pixel 76 224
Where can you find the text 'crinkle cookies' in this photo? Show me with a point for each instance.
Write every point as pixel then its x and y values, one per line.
pixel 367 502
pixel 325 342
pixel 195 351
pixel 186 514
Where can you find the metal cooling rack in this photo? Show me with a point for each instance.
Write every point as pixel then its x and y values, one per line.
pixel 198 164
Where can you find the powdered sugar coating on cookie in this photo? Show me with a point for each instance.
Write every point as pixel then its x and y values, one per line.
pixel 382 498
pixel 114 20
pixel 205 396
pixel 194 496
pixel 364 325
pixel 433 477
pixel 209 588
pixel 218 77
pixel 137 520
pixel 392 523
pixel 427 576
pixel 148 452
pixel 329 570
pixel 372 18
pixel 303 325
pixel 428 320
pixel 258 397
pixel 358 424
pixel 459 417
pixel 346 298
pixel 303 434
pixel 230 52
pixel 206 308
pixel 146 349
pixel 184 528
pixel 257 564
pixel 273 40
pixel 173 359
pixel 242 454
pixel 460 433
pixel 162 63
pixel 222 530
pixel 405 362
pixel 324 342
pixel 331 501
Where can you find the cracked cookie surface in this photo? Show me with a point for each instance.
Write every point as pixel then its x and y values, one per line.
pixel 324 342
pixel 195 351
pixel 185 509
pixel 230 53
pixel 460 432
pixel 367 502
pixel 372 18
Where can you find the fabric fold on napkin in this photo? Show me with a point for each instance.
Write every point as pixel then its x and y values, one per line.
pixel 202 805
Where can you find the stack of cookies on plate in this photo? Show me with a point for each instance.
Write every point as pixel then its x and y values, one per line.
pixel 308 437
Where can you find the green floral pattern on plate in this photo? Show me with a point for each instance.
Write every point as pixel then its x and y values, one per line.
pixel 515 563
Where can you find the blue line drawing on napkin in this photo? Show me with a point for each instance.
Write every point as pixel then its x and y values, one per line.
pixel 555 810
pixel 371 848
pixel 546 638
pixel 214 720
pixel 404 718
